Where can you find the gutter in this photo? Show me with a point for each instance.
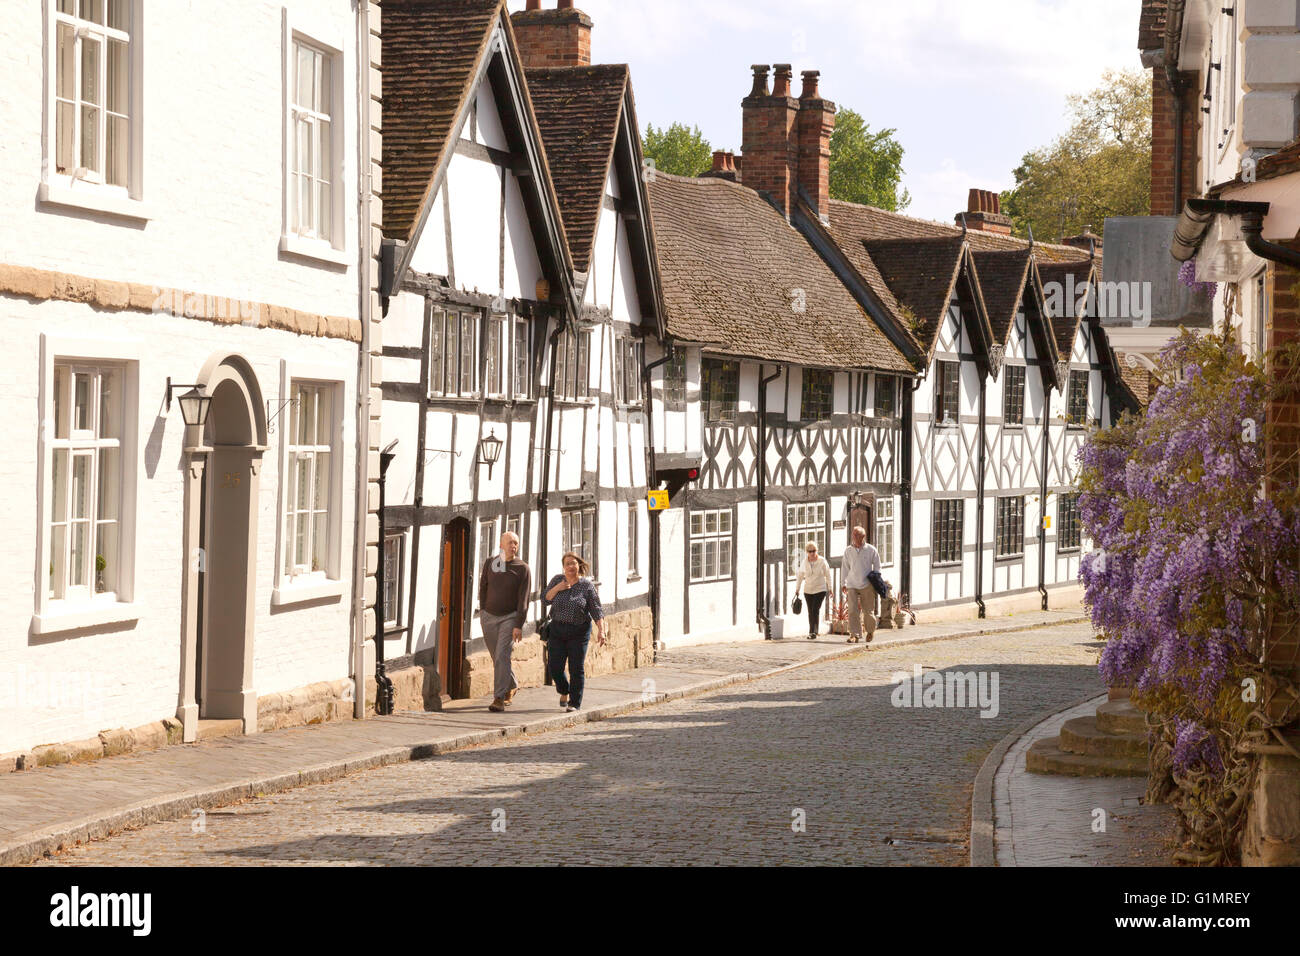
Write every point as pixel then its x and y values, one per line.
pixel 1198 214
pixel 761 585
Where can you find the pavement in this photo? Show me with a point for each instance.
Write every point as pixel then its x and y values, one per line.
pixel 49 808
pixel 1049 820
pixel 822 764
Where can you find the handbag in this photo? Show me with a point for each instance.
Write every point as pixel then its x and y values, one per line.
pixel 797 605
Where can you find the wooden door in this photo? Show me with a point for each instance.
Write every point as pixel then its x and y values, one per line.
pixel 863 513
pixel 451 608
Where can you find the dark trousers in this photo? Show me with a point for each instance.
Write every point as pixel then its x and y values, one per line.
pixel 561 650
pixel 814 605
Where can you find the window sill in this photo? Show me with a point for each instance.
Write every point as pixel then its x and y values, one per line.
pixel 82 616
pixel 317 249
pixel 291 594
pixel 633 578
pixel 95 199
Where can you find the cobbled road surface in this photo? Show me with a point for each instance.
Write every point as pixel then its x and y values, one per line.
pixel 813 766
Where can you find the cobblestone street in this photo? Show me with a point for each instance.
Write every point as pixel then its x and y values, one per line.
pixel 719 779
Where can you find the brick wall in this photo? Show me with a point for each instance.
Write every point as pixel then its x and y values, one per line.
pixel 1163 125
pixel 1283 417
pixel 551 38
pixel 770 145
pixel 816 124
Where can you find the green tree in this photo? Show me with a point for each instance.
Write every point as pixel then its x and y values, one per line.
pixel 1100 167
pixel 866 167
pixel 679 150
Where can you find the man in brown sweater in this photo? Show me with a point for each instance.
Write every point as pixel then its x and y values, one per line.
pixel 503 588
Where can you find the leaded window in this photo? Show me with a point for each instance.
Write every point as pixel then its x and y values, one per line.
pixel 453 353
pixel 1013 394
pixel 579 534
pixel 572 371
pixel 803 523
pixel 720 390
pixel 818 395
pixel 947 393
pixel 1077 403
pixel 675 380
pixel 886 396
pixel 1010 526
pixel 1068 531
pixel 947 537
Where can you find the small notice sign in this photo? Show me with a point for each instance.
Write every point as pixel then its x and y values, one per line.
pixel 1047 522
pixel 658 500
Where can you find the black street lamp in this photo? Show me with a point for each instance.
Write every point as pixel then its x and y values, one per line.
pixel 489 451
pixel 194 404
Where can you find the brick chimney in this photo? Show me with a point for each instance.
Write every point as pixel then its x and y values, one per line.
pixel 984 212
pixel 549 38
pixel 1086 240
pixel 770 148
pixel 815 125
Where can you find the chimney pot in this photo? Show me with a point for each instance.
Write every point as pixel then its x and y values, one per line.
pixel 810 78
pixel 784 73
pixel 534 4
pixel 719 161
pixel 559 36
pixel 566 4
pixel 760 79
pixel 984 213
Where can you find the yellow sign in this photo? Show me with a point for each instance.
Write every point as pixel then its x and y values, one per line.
pixel 1047 522
pixel 658 500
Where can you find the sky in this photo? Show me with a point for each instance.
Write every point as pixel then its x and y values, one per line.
pixel 969 85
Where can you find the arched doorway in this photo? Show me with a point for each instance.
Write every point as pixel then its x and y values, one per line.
pixel 453 607
pixel 221 503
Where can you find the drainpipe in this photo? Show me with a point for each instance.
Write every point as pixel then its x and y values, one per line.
pixel 652 480
pixel 1042 494
pixel 1177 85
pixel 761 589
pixel 362 478
pixel 383 685
pixel 905 490
pixel 1252 227
pixel 544 497
pixel 979 504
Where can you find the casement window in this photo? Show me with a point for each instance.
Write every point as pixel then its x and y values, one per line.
pixel 627 370
pixel 453 353
pixel 711 544
pixel 803 523
pixel 675 380
pixel 886 396
pixel 1013 394
pixel 633 542
pixel 885 531
pixel 86 548
pixel 95 84
pixel 1010 540
pixel 947 537
pixel 488 541
pixel 947 393
pixel 572 370
pixel 314 190
pixel 1076 413
pixel 521 359
pixel 579 534
pixel 394 568
pixel 311 532
pixel 1068 532
pixel 818 395
pixel 719 390
pixel 514 524
pixel 496 359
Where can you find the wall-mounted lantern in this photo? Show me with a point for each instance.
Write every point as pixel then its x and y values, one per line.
pixel 489 451
pixel 194 404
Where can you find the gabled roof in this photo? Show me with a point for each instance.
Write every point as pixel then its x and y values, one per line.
pixel 1002 275
pixel 736 274
pixel 1065 326
pixel 432 53
pixel 578 110
pixel 921 273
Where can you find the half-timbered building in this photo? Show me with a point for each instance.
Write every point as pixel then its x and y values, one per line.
pixel 521 291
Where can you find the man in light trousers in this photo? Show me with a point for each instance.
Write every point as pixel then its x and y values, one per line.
pixel 503 589
pixel 860 559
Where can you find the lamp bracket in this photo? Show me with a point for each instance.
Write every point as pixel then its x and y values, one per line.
pixel 279 407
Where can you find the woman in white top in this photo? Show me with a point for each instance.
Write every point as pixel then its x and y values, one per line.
pixel 814 580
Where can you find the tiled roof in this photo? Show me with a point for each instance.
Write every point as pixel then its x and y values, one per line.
pixel 920 272
pixel 1282 163
pixel 1002 274
pixel 1064 327
pixel 432 49
pixel 1151 25
pixel 578 111
pixel 734 272
pixel 1139 382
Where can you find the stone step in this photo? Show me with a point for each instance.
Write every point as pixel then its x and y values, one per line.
pixel 1120 717
pixel 220 727
pixel 1119 693
pixel 1082 736
pixel 1046 756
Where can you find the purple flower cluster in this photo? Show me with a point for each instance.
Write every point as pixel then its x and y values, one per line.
pixel 1187 275
pixel 1185 541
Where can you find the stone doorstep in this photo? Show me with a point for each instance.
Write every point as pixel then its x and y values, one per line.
pixel 1046 756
